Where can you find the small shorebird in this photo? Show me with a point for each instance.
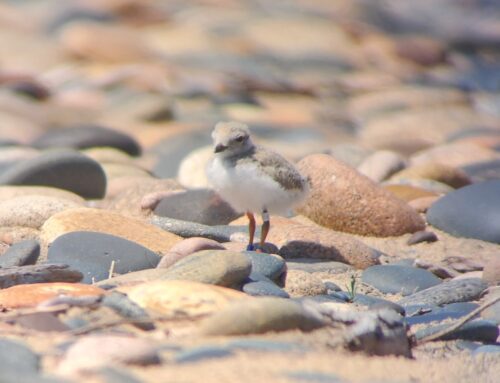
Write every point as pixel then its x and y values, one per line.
pixel 253 179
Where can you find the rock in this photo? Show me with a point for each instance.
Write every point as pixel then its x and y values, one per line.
pixel 93 254
pixel 87 136
pixel 264 288
pixel 439 314
pixel 408 193
pixel 41 321
pixel 20 275
pixel 317 266
pixel 182 298
pixel 422 236
pixel 114 171
pixel 17 357
pixel 424 51
pixel 123 306
pixel 32 210
pixel 95 351
pixel 301 283
pixel 375 303
pixel 491 271
pixel 68 170
pixel 260 315
pixel 192 168
pixel 421 205
pixel 186 247
pixel 111 155
pixel 271 266
pixel 472 212
pixel 351 154
pixel 21 254
pixel 437 269
pixel 312 376
pixel 202 206
pixel 307 241
pixel 107 222
pixel 421 184
pixel 9 192
pixel 196 354
pixel 463 290
pixel 34 294
pixel 216 267
pixel 487 349
pixel 478 330
pixel 449 175
pixel 381 165
pixel 342 199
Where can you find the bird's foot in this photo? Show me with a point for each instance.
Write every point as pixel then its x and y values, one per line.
pixel 251 247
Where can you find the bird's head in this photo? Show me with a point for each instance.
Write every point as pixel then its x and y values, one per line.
pixel 231 138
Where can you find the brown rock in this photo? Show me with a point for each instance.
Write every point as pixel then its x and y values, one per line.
pixel 342 199
pixel 113 170
pixel 182 298
pixel 109 222
pixel 448 175
pixel 8 192
pixel 491 271
pixel 381 165
pixel 108 155
pixel 408 193
pixel 421 50
pixel 34 294
pixel 301 283
pixel 421 205
pixel 32 210
pixel 187 247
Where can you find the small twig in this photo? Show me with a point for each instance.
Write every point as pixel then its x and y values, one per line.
pixel 111 269
pixel 458 323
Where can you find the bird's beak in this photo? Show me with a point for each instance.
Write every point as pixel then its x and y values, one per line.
pixel 220 148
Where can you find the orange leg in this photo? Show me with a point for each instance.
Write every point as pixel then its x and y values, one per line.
pixel 266 225
pixel 251 230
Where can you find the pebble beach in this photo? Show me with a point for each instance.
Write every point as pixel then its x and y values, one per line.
pixel 119 262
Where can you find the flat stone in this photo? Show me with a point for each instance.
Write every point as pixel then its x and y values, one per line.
pixel 395 279
pixel 381 165
pixel 93 253
pixel 32 210
pixel 317 266
pixel 462 290
pixel 258 316
pixel 122 305
pixel 264 288
pixel 187 247
pixel 8 192
pixel 422 236
pixel 376 303
pixel 449 175
pixel 21 254
pixel 20 275
pixel 477 330
pixel 68 170
pixel 181 298
pixel 87 136
pixel 487 349
pixel 196 354
pixel 45 322
pixel 472 212
pixel 439 314
pixel 201 206
pixel 107 222
pixel 216 267
pixel 301 283
pixel 342 199
pixel 34 294
pixel 16 356
pixel 408 193
pixel 95 351
pixel 271 266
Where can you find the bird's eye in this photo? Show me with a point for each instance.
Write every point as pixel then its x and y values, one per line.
pixel 240 139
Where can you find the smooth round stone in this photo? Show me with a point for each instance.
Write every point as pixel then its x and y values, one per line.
pixel 265 345
pixel 317 266
pixel 449 175
pixel 483 171
pixel 342 199
pixel 33 294
pixel 95 351
pixel 439 314
pixel 301 283
pixel 491 271
pixel 351 154
pixel 216 267
pixel 422 236
pixel 187 247
pixel 487 349
pixel 122 305
pixel 107 222
pixel 202 206
pixel 114 171
pixel 408 192
pixel 394 279
pixel 477 330
pixel 182 298
pixel 375 303
pixel 17 357
pixel 87 136
pixel 381 165
pixel 421 184
pixel 92 254
pixel 66 170
pixel 460 290
pixel 264 288
pixel 306 376
pixel 197 354
pixel 32 210
pixel 9 192
pixel 21 253
pixel 472 212
pixel 271 266
pixel 260 315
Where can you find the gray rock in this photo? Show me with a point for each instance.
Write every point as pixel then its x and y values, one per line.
pixel 394 279
pixel 313 377
pixel 317 266
pixel 472 212
pixel 439 314
pixel 271 266
pixel 265 345
pixel 121 304
pixel 20 275
pixel 92 253
pixel 479 330
pixel 460 290
pixel 68 170
pixel 21 254
pixel 375 303
pixel 117 375
pixel 17 357
pixel 422 236
pixel 264 288
pixel 487 349
pixel 200 353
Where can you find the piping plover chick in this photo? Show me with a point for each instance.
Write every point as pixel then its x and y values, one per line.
pixel 253 179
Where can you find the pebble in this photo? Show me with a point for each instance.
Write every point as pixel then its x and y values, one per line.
pixel 260 315
pixel 422 236
pixel 107 222
pixel 312 376
pixel 33 294
pixel 216 267
pixel 271 266
pixel 46 272
pixel 491 271
pixel 9 192
pixel 201 206
pixel 375 303
pixel 479 330
pixel 16 357
pixel 462 290
pixel 45 322
pixel 472 212
pixel 381 165
pixel 394 279
pixel 93 253
pixel 264 288
pixel 87 136
pixel 408 193
pixel 317 266
pixel 196 354
pixel 95 351
pixel 21 254
pixel 449 175
pixel 68 170
pixel 336 189
pixel 187 247
pixel 32 210
pixel 439 314
pixel 487 349
pixel 422 205
pixel 301 283
pixel 182 298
